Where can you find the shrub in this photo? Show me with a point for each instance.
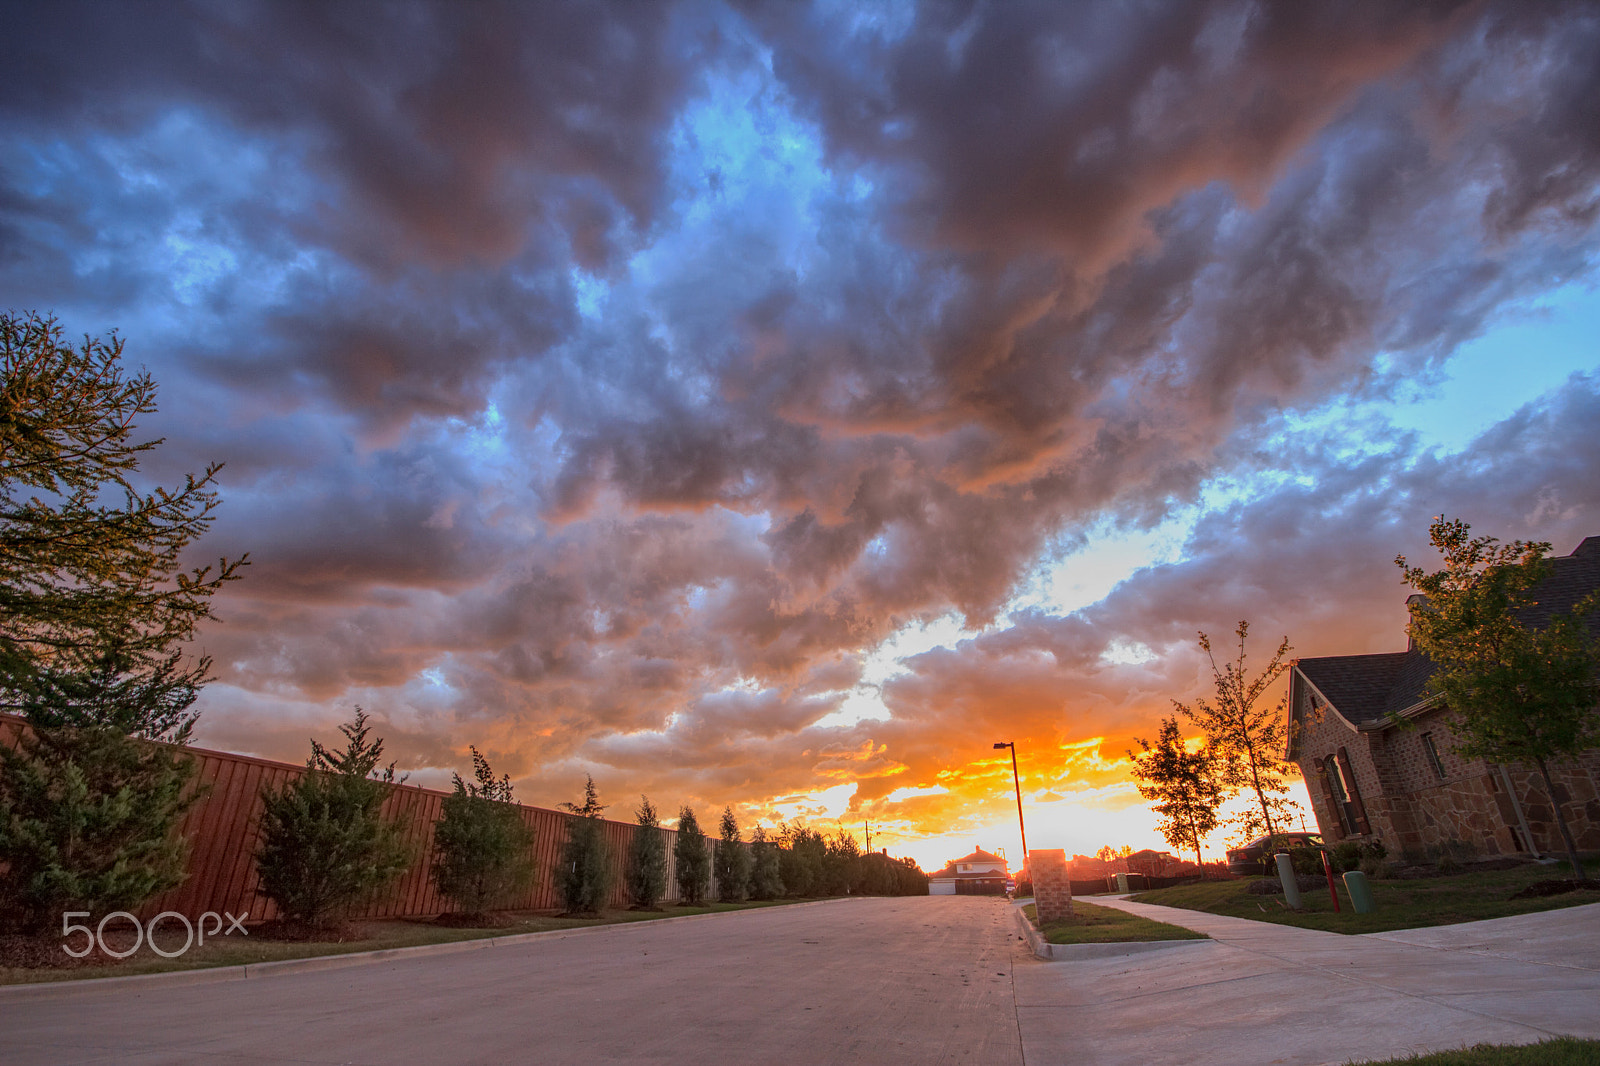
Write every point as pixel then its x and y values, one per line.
pixel 766 875
pixel 88 822
pixel 483 850
pixel 584 871
pixel 693 858
pixel 732 862
pixel 325 845
pixel 647 858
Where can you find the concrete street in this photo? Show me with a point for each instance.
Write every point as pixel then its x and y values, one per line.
pixel 922 980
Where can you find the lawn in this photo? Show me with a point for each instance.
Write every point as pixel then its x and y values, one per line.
pixel 1103 925
pixel 1564 1051
pixel 237 950
pixel 1466 897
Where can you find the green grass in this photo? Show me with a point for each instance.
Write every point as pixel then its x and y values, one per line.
pixel 1563 1051
pixel 1399 904
pixel 1105 925
pixel 237 950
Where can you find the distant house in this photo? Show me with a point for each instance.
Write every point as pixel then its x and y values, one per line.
pixel 979 874
pixel 1378 753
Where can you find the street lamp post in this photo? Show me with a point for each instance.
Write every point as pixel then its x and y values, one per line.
pixel 1016 780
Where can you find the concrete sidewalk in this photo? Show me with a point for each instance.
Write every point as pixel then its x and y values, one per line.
pixel 1265 993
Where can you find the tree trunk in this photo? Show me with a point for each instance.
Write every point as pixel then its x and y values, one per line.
pixel 1561 823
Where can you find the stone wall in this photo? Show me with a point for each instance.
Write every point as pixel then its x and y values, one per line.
pixel 1052 887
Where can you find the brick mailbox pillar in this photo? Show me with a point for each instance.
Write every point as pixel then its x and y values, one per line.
pixel 1052 888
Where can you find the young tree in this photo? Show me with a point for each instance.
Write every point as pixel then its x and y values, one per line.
pixel 584 873
pixel 88 821
pixel 693 859
pixel 1184 785
pixel 766 875
pixel 326 846
pixel 841 865
pixel 1248 740
pixel 483 850
pixel 732 861
pixel 94 604
pixel 647 859
pixel 1518 692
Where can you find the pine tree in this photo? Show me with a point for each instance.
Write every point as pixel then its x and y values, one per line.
pixel 94 603
pixel 1184 784
pixel 88 822
pixel 647 859
pixel 732 862
pixel 483 849
pixel 693 860
pixel 584 869
pixel 766 875
pixel 326 846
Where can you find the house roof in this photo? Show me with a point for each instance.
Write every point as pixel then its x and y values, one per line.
pixel 1369 690
pixel 979 856
pixel 951 873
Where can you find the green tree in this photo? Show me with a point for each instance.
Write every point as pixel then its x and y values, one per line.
pixel 766 874
pixel 841 865
pixel 1248 739
pixel 732 861
pixel 326 846
pixel 88 822
pixel 1519 692
pixel 693 859
pixel 804 853
pixel 1184 785
pixel 483 849
pixel 647 859
pixel 584 870
pixel 94 603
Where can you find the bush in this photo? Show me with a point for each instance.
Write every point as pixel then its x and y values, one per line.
pixel 483 850
pixel 693 858
pixel 732 862
pixel 325 845
pixel 88 822
pixel 766 874
pixel 584 869
pixel 647 859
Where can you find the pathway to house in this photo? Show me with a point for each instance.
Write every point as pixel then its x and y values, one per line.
pixel 923 980
pixel 1263 993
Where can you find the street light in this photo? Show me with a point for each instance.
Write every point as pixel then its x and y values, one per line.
pixel 1018 782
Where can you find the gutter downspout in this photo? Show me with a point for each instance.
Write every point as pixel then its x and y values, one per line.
pixel 1516 805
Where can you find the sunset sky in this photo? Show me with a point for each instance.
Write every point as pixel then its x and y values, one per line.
pixel 776 405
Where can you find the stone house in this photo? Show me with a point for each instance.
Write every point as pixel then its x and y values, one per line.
pixel 1378 755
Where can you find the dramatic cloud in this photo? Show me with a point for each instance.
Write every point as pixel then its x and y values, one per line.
pixel 610 385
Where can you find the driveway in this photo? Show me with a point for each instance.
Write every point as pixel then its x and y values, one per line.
pixel 923 980
pixel 1263 993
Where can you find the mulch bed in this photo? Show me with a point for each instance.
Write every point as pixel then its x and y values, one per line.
pixel 45 953
pixel 474 921
pixel 298 933
pixel 1555 886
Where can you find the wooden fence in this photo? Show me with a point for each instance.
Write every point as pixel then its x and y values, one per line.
pixel 222 829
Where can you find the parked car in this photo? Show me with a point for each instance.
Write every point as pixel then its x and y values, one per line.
pixel 1256 856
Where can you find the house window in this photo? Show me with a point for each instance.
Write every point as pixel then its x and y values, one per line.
pixel 1433 756
pixel 1341 797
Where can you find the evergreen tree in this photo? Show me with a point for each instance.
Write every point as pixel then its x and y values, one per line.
pixel 841 865
pixel 732 861
pixel 483 849
pixel 94 604
pixel 326 846
pixel 801 861
pixel 693 860
pixel 647 859
pixel 584 870
pixel 1518 692
pixel 1249 741
pixel 766 875
pixel 88 822
pixel 1184 784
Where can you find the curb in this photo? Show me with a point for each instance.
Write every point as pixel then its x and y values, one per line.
pixel 1062 952
pixel 252 971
